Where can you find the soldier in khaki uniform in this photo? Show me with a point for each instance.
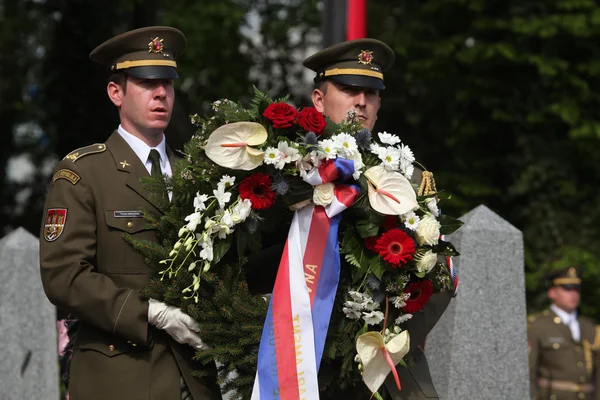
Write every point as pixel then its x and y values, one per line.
pixel 127 347
pixel 349 76
pixel 563 346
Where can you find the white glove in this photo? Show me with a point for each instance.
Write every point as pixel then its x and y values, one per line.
pixel 172 320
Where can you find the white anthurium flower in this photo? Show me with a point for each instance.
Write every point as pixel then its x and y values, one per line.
pixel 390 193
pixel 324 194
pixel 231 145
pixel 379 358
pixel 388 138
pixel 199 201
pixel 222 197
pixel 193 220
pixel 329 148
pixel 225 182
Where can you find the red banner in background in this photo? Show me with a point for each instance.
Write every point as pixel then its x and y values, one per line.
pixel 356 19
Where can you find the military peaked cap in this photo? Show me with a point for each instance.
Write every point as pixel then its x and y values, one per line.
pixel 148 53
pixel 567 278
pixel 359 62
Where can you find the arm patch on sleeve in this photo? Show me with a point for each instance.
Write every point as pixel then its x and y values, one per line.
pixel 66 174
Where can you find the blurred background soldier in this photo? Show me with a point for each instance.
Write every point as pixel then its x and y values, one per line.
pixel 563 345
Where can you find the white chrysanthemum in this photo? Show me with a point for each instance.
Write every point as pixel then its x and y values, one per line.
pixel 411 220
pixel 345 144
pixel 193 220
pixel 390 158
pixel 376 149
pixel 432 206
pixel 328 147
pixel 222 197
pixel 351 313
pixel 373 317
pixel 406 168
pixel 199 201
pixel 287 154
pixel 406 153
pixel 271 156
pixel 225 182
pixel 388 138
pixel 402 318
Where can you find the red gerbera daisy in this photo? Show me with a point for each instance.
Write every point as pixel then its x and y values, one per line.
pixel 420 292
pixel 396 247
pixel 257 188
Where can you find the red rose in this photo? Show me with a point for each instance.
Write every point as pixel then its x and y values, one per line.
pixel 282 115
pixel 312 120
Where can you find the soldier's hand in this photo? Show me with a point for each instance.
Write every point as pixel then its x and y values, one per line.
pixel 178 325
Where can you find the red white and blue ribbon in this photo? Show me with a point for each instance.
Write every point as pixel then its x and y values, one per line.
pixel 295 329
pixel 453 272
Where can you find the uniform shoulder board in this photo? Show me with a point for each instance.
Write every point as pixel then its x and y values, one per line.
pixel 84 151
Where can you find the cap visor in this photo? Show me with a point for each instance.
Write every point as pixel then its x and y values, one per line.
pixel 358 80
pixel 571 287
pixel 152 72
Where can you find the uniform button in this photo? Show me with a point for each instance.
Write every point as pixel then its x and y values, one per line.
pixel 552 397
pixel 557 320
pixel 580 364
pixel 111 347
pixel 556 346
pixel 130 224
pixel 133 344
pixel 581 395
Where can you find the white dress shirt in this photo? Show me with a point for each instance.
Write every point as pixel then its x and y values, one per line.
pixel 570 320
pixel 142 150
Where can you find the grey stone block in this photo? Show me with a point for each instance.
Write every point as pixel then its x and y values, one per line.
pixel 29 364
pixel 478 349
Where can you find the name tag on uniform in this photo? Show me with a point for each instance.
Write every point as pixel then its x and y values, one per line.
pixel 129 214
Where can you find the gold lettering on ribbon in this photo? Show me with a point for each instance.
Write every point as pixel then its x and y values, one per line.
pixel 310 277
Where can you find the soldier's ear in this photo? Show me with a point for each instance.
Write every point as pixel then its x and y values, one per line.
pixel 115 93
pixel 318 99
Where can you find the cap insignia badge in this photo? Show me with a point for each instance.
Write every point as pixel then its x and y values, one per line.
pixel 366 57
pixel 156 45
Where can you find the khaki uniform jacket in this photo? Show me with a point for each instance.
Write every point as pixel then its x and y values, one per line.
pixel 89 270
pixel 555 357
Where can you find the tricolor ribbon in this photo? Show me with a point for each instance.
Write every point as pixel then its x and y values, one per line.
pixel 295 329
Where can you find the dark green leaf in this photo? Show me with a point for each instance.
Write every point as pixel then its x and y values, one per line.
pixel 449 224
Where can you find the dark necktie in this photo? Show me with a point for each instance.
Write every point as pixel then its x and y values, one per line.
pixel 154 158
